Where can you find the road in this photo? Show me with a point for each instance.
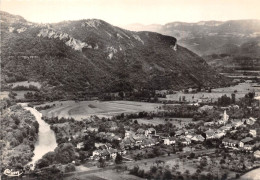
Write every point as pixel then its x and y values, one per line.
pixel 68 176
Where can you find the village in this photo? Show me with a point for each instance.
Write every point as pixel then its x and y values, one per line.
pixel 124 139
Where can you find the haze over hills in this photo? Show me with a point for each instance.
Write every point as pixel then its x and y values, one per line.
pixel 207 37
pixel 87 56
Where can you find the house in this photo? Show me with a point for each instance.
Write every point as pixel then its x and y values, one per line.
pixel 248 147
pixel 150 131
pixel 257 154
pixel 186 141
pixel 194 104
pixel 230 143
pixel 226 128
pixel 138 139
pixel 190 135
pixel 112 153
pixel 96 153
pixel 219 134
pixel 179 133
pixel 252 132
pixel 80 145
pixel 128 133
pixel 169 141
pixel 245 141
pixel 140 131
pixel 198 138
pixel 250 121
pixel 209 123
pixel 113 128
pixel 104 153
pixel 234 131
pixel 237 123
pixel 128 142
pixel 210 134
pixel 92 129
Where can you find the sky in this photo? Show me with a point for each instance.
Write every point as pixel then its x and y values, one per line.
pixel 124 12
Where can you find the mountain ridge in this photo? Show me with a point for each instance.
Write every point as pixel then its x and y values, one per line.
pixel 91 56
pixel 205 36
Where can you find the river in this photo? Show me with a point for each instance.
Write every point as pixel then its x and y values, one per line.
pixel 46 138
pixel 251 175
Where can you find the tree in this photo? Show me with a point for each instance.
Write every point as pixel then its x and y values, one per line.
pixel 118 159
pixel 167 175
pixel 153 169
pixel 192 155
pixel 102 162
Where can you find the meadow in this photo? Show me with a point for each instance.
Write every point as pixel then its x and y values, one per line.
pixel 241 89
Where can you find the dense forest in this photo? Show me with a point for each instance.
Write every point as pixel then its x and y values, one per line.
pixel 19 132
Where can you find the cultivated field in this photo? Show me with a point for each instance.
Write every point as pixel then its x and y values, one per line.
pixel 84 109
pixel 242 89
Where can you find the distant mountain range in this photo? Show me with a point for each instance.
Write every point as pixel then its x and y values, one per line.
pixel 92 56
pixel 207 37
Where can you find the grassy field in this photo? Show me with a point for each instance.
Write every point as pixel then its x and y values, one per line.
pixel 20 94
pixel 26 84
pixel 84 109
pixel 242 89
pixel 178 122
pixel 254 175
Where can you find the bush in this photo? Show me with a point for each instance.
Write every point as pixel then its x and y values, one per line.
pixel 70 167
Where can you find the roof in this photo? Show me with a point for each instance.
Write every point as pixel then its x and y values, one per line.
pixel 112 151
pixel 230 141
pixel 151 129
pixel 247 139
pixel 179 132
pixel 253 119
pixel 105 152
pixel 140 131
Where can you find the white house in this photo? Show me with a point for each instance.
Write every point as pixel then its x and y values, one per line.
pixel 257 154
pixel 252 132
pixel 198 138
pixel 169 141
pixel 251 121
pixel 80 145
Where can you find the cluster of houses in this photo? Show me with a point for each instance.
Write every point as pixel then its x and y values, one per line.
pixel 108 136
pixel 140 139
pixel 105 150
pixel 144 138
pixel 221 131
pixel 245 144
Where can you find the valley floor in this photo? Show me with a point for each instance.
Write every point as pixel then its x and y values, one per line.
pixel 85 109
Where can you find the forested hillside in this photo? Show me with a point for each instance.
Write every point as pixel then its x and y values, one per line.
pixel 89 57
pixel 19 132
